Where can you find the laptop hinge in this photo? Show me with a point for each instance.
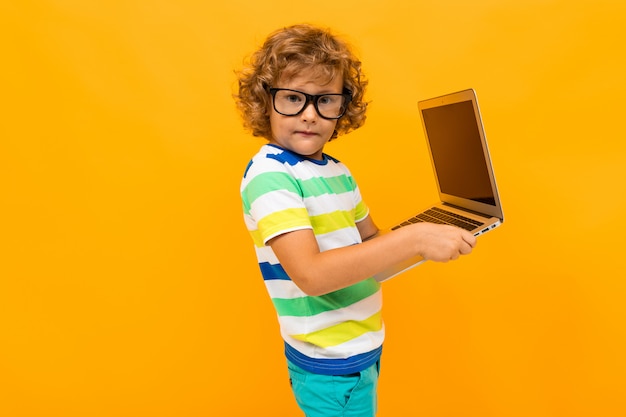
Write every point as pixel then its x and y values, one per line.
pixel 466 209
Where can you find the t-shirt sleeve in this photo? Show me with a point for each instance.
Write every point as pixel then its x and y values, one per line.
pixel 274 205
pixel 361 211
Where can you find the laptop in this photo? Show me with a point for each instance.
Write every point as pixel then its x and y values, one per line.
pixel 465 180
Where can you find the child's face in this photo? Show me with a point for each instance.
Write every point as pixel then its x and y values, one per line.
pixel 307 132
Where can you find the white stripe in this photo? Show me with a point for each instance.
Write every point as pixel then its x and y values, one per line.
pixel 249 221
pixel 304 171
pixel 266 254
pixel 339 238
pixel 280 288
pixel 323 204
pixel 269 202
pixel 328 203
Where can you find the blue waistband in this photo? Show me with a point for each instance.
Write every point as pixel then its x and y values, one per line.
pixel 346 366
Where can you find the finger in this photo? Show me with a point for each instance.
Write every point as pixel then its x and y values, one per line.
pixel 465 249
pixel 470 239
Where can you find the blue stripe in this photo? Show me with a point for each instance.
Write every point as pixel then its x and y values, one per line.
pixel 292 158
pixel 270 271
pixel 350 365
pixel 247 169
pixel 285 157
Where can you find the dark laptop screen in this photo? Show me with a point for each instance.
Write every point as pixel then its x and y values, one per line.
pixel 457 152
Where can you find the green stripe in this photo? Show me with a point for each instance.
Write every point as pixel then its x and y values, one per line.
pixel 311 306
pixel 314 187
pixel 266 183
pixel 342 332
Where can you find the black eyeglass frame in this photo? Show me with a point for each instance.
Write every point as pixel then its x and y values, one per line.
pixel 347 95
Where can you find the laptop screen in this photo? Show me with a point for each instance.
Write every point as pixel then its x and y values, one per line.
pixel 457 152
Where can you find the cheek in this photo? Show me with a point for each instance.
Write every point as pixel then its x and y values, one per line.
pixel 332 126
pixel 278 125
pixel 273 122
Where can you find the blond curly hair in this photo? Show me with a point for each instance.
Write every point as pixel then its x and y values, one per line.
pixel 285 53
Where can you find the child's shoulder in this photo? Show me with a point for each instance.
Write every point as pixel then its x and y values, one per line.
pixel 269 158
pixel 272 158
pixel 277 154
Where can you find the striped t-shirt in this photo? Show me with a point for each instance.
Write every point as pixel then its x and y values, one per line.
pixel 337 333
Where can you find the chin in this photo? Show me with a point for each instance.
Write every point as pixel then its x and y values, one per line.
pixel 317 153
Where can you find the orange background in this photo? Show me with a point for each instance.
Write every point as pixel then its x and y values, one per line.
pixel 128 282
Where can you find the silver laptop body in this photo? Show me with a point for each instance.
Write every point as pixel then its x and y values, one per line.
pixel 463 171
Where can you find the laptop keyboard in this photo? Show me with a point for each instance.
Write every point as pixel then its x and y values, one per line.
pixel 440 216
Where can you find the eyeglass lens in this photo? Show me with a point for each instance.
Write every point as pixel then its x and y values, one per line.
pixel 290 103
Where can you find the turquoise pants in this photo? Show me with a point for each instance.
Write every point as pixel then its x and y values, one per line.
pixel 351 395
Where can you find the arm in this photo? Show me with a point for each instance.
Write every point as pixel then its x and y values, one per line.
pixel 318 273
pixel 367 228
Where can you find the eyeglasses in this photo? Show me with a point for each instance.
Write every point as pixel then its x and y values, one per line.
pixel 293 102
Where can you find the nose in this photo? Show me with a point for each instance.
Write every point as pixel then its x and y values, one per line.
pixel 309 113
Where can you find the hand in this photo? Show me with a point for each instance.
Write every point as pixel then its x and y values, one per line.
pixel 443 243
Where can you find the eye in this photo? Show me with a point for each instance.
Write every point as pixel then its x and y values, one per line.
pixel 293 98
pixel 325 100
pixel 330 100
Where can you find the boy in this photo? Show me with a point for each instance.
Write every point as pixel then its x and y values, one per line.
pixel 311 229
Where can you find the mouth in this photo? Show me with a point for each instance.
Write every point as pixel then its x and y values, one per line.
pixel 306 133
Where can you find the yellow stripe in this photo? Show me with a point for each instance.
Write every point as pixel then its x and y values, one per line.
pixel 361 211
pixel 283 220
pixel 343 332
pixel 257 238
pixel 330 222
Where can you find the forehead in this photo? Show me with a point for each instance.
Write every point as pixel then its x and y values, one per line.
pixel 320 74
pixel 311 78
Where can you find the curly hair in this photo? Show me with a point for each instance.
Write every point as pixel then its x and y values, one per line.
pixel 285 53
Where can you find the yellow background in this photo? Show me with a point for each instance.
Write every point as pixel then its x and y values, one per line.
pixel 128 281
